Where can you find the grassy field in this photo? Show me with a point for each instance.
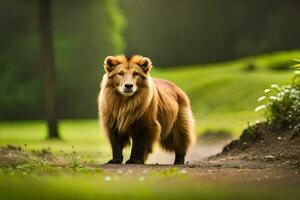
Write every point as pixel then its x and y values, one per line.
pixel 80 136
pixel 161 184
pixel 223 97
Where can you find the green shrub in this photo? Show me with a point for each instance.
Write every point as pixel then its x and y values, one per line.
pixel 282 104
pixel 280 65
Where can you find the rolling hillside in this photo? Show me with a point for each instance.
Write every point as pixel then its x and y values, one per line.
pixel 224 95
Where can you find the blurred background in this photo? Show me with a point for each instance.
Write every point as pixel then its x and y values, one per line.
pixel 222 53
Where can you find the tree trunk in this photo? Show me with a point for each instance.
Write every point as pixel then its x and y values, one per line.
pixel 48 67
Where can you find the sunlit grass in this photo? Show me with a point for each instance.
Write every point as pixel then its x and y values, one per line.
pixel 165 184
pixel 81 136
pixel 78 135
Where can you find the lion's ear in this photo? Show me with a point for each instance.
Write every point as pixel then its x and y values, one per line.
pixel 146 64
pixel 110 63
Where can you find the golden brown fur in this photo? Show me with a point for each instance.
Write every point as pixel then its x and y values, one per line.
pixel 132 105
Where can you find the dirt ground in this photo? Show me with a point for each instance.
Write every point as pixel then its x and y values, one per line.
pixel 260 155
pixel 256 157
pixel 229 170
pixel 199 151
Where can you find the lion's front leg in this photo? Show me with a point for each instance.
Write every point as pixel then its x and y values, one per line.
pixel 117 144
pixel 143 139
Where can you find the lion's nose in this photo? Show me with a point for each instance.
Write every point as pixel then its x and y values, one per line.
pixel 128 86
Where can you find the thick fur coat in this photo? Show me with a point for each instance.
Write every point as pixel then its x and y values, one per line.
pixel 135 107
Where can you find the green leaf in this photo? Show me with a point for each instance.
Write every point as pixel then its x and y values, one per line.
pixel 297 65
pixel 296 59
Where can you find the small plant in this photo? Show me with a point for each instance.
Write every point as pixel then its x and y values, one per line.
pixel 282 104
pixel 280 65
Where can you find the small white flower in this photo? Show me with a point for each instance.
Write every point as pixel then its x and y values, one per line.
pixel 267 90
pixel 273 98
pixel 130 171
pixel 297 72
pixel 261 98
pixel 107 178
pixel 141 178
pixel 260 107
pixel 274 86
pixel 120 171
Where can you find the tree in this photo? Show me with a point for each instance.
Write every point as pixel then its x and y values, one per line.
pixel 47 62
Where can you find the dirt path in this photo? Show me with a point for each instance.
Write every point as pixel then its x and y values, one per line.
pixel 198 152
pixel 199 170
pixel 230 169
pixel 272 177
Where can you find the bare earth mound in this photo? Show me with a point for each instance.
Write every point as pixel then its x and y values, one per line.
pixel 260 146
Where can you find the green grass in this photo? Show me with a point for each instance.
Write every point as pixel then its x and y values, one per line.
pixel 81 136
pixel 169 183
pixel 93 186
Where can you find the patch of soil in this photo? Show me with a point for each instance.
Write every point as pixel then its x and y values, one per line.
pixel 44 154
pixel 11 156
pixel 261 146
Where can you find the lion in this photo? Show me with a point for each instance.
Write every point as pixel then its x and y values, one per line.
pixel 135 107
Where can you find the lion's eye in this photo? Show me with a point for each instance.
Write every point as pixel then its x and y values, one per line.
pixel 121 73
pixel 135 74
